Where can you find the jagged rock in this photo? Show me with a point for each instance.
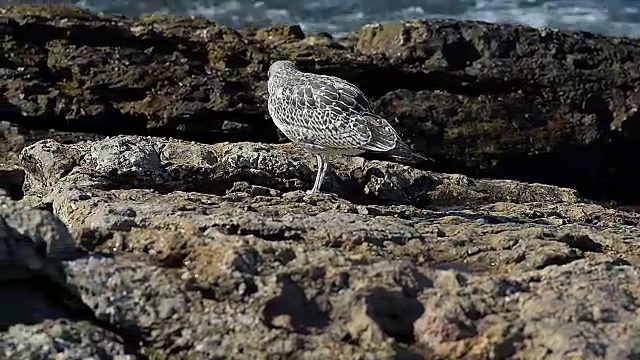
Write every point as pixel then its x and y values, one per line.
pixel 216 250
pixel 134 161
pixel 32 245
pixel 13 138
pixel 61 339
pixel 35 296
pixel 483 99
pixel 32 242
pixel 11 176
pixel 558 312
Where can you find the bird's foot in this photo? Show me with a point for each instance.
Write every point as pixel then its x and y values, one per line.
pixel 310 192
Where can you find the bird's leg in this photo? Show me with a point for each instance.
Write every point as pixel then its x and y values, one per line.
pixel 325 164
pixel 316 184
pixel 322 169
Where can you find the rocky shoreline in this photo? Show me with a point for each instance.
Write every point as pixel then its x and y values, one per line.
pixel 482 99
pixel 151 210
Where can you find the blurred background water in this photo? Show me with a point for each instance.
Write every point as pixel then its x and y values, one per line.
pixel 610 17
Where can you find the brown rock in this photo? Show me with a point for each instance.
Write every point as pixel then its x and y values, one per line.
pixel 464 268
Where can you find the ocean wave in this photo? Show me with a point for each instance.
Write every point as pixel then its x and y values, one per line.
pixel 618 18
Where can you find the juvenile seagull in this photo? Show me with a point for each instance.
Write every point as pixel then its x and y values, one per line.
pixel 328 116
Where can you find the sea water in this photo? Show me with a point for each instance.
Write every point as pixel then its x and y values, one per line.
pixel 610 17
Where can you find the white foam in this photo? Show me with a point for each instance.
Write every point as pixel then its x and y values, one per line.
pixel 341 16
pixel 588 16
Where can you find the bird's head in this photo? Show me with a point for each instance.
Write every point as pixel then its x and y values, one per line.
pixel 281 66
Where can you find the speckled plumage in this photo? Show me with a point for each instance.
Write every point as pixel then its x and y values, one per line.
pixel 328 116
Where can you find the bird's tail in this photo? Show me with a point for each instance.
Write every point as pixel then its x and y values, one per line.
pixel 403 150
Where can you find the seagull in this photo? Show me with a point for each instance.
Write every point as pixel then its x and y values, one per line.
pixel 328 116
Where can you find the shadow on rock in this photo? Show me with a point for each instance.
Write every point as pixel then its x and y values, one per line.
pixel 292 310
pixel 9 111
pixel 38 299
pixel 34 286
pixel 11 176
pixel 394 313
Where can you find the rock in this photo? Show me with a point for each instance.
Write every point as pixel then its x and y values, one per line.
pixel 487 100
pixel 32 242
pixel 13 138
pixel 191 261
pixel 11 176
pixel 176 72
pixel 562 310
pixel 32 245
pixel 40 315
pixel 61 339
pixel 162 165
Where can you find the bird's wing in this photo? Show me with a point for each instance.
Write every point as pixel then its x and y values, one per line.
pixel 330 93
pixel 383 137
pixel 337 115
pixel 346 120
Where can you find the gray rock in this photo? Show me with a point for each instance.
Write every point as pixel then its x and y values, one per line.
pixel 31 242
pixel 61 339
pixel 166 165
pixel 13 138
pixel 35 295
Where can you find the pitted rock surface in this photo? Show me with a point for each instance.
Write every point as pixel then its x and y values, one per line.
pixel 13 138
pixel 41 314
pixel 215 250
pixel 61 339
